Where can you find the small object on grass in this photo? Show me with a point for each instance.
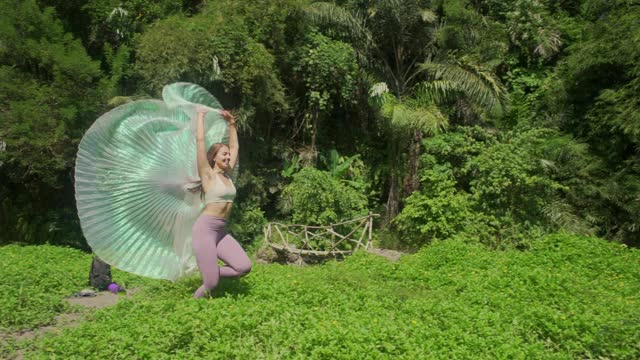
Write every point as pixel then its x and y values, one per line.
pixel 85 293
pixel 115 288
pixel 100 274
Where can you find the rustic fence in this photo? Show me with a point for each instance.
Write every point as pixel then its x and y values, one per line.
pixel 327 241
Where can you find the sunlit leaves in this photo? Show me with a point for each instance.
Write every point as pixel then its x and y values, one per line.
pixel 315 197
pixel 413 113
pixel 209 50
pixel 480 86
pixel 566 297
pixel 329 70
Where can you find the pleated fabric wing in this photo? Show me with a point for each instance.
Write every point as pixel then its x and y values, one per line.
pixel 133 172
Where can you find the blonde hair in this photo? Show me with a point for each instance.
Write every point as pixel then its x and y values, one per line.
pixel 211 156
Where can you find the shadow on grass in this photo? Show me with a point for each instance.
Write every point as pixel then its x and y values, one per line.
pixel 233 288
pixel 227 287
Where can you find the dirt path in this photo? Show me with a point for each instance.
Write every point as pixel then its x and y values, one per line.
pixel 389 254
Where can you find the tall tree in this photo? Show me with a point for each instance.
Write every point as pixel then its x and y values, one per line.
pixel 396 42
pixel 596 99
pixel 50 91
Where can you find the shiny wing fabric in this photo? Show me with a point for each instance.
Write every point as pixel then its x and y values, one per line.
pixel 133 171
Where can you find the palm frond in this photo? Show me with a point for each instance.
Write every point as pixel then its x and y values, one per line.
pixel 481 87
pixel 428 15
pixel 549 42
pixel 324 13
pixel 562 215
pixel 412 113
pixel 548 165
pixel 436 91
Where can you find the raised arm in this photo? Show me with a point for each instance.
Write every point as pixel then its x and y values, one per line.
pixel 233 139
pixel 201 151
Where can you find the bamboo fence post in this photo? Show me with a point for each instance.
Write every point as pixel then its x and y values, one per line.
pixel 369 243
pixel 333 238
pixel 306 238
pixel 281 236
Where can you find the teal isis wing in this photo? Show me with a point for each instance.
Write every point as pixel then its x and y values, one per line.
pixel 133 172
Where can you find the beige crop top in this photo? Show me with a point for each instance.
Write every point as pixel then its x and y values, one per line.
pixel 219 192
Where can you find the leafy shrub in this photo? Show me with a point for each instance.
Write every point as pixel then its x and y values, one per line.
pixel 495 189
pixel 314 197
pixel 207 49
pixel 328 69
pixel 437 212
pixel 246 222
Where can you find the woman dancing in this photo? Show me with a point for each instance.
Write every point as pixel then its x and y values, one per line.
pixel 210 240
pixel 145 150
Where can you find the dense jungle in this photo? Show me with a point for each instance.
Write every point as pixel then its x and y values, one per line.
pixel 498 140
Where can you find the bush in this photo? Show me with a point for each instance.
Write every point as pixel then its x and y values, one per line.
pixel 316 198
pixel 208 49
pixel 437 212
pixel 495 189
pixel 246 223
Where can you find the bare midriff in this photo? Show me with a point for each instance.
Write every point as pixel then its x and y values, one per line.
pixel 221 209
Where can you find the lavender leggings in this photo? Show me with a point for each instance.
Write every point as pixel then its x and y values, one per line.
pixel 211 242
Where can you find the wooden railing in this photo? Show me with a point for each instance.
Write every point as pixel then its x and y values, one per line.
pixel 304 239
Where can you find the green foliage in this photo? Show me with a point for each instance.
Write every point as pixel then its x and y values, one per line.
pixel 115 22
pixel 33 285
pixel 325 73
pixel 34 129
pixel 435 213
pixel 34 280
pixel 206 49
pixel 593 96
pixel 328 69
pixel 569 297
pixel 290 167
pixel 475 82
pixel 314 197
pixel 37 54
pixel 350 170
pixel 468 31
pixel 509 179
pixel 406 115
pixel 246 222
pixel 597 9
pixel 277 24
pixel 50 90
pixel 292 67
pixel 492 188
pixel 610 106
pixel 532 29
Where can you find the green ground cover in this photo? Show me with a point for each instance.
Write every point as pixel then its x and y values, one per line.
pixel 567 297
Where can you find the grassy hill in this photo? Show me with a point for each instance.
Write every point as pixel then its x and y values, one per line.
pixel 567 297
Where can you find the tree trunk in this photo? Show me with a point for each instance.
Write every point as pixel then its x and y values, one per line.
pixel 393 201
pixel 412 181
pixel 314 134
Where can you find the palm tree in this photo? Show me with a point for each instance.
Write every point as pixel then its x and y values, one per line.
pixel 396 42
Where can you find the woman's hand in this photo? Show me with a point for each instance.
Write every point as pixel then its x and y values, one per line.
pixel 227 116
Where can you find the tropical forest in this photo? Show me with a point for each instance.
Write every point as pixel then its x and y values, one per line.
pixel 488 150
